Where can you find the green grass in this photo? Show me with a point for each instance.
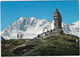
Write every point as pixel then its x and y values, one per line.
pixel 55 45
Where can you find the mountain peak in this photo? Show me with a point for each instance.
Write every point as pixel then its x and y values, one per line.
pixel 30 27
pixel 77 22
pixel 32 18
pixel 21 17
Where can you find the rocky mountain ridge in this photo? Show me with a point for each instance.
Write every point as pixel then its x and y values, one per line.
pixel 30 27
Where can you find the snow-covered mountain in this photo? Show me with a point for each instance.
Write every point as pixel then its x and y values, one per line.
pixel 31 27
pixel 73 28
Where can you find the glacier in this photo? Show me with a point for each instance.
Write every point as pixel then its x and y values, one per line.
pixel 30 27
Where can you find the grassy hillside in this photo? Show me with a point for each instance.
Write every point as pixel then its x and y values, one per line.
pixel 48 46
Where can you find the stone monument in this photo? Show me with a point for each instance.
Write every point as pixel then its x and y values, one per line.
pixel 57 22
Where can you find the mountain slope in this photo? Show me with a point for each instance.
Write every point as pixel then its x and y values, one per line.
pixel 72 28
pixel 31 27
pixel 50 45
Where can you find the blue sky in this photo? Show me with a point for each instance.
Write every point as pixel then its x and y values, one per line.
pixel 11 11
